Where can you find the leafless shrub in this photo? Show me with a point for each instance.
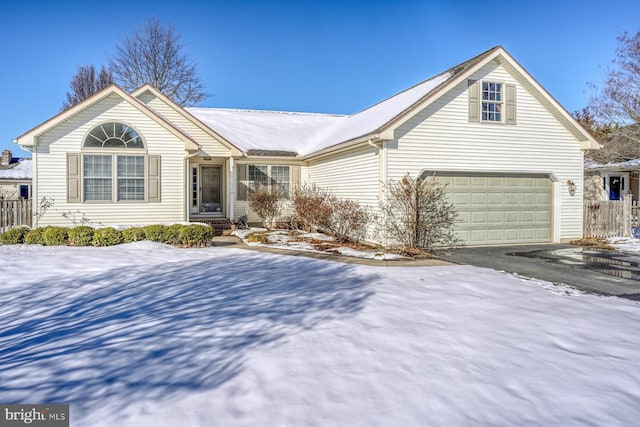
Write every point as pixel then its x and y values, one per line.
pixel 312 207
pixel 349 220
pixel 265 201
pixel 416 214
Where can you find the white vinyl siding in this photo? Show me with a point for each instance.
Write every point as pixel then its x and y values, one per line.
pixel 351 175
pixel 209 145
pixel 68 136
pixel 441 138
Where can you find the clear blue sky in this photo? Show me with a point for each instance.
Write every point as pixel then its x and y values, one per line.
pixel 320 56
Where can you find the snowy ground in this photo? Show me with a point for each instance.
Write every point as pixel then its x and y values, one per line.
pixel 282 239
pixel 626 244
pixel 146 334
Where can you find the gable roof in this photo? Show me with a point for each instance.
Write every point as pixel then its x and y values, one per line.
pixel 310 134
pixel 20 170
pixel 29 138
pixel 184 113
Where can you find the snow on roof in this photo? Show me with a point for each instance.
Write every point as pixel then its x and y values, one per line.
pixel 629 164
pixel 20 170
pixel 266 130
pixel 305 133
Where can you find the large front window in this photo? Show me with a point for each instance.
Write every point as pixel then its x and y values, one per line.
pixel 110 169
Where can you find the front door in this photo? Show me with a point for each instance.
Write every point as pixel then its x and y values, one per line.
pixel 616 185
pixel 211 190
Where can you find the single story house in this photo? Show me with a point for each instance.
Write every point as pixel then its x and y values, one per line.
pixel 15 177
pixel 511 155
pixel 611 181
pixel 613 172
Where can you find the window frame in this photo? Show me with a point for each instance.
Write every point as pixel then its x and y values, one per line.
pixel 115 177
pixel 115 153
pixel 501 103
pixel 270 181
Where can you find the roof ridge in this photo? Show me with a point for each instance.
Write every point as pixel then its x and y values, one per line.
pixel 255 110
pixel 452 71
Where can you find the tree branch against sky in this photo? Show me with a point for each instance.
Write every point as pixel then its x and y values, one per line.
pixel 153 54
pixel 85 82
pixel 618 101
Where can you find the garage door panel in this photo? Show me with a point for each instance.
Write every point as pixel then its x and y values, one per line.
pixel 501 209
pixel 495 217
pixel 496 199
pixel 462 199
pixel 479 199
pixel 478 217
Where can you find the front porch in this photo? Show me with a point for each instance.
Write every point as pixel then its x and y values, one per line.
pixel 219 225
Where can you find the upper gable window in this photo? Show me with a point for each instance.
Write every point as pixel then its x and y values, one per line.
pixel 113 135
pixel 492 101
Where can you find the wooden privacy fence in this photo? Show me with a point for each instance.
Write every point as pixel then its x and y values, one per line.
pixel 609 218
pixel 14 212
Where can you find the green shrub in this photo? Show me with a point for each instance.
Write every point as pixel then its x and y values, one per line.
pixel 134 234
pixel 35 236
pixel 81 235
pixel 156 233
pixel 14 236
pixel 174 234
pixel 56 236
pixel 197 235
pixel 107 237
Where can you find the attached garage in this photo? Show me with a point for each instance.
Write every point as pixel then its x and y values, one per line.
pixel 500 208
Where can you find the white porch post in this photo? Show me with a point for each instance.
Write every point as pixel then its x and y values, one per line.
pixel 231 188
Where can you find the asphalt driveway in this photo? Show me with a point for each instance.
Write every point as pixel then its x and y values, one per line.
pixel 590 270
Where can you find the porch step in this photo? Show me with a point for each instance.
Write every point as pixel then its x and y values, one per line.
pixel 219 225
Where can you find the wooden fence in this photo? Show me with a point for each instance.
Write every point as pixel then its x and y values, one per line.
pixel 14 212
pixel 610 218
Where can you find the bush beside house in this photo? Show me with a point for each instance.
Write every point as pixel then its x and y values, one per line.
pixel 193 235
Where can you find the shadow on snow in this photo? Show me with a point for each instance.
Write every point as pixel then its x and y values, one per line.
pixel 155 332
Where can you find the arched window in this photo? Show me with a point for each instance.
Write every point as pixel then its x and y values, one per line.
pixel 117 172
pixel 113 135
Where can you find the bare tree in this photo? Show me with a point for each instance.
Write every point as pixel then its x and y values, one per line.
pixel 85 82
pixel 153 54
pixel 618 101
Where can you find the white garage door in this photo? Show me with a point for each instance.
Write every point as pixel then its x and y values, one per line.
pixel 500 209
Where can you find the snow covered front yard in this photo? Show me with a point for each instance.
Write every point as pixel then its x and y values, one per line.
pixel 147 334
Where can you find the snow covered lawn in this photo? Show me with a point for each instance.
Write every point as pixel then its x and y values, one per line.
pixel 150 335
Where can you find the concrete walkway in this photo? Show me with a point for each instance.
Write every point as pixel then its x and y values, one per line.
pixel 233 241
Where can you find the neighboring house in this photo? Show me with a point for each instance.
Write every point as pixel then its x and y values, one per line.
pixel 611 181
pixel 606 176
pixel 15 177
pixel 506 148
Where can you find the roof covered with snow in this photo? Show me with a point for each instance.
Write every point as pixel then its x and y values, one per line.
pixel 18 170
pixel 628 165
pixel 306 133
